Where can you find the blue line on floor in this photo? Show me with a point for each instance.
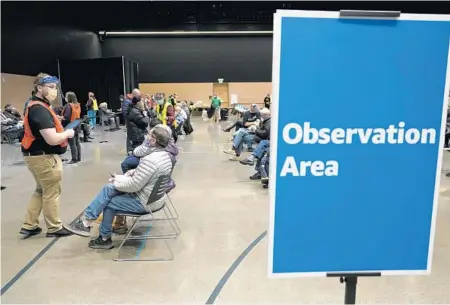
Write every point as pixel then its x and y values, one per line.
pixel 215 293
pixel 143 242
pixel 33 261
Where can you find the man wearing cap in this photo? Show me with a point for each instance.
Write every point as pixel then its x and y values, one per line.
pixel 44 140
pixel 248 118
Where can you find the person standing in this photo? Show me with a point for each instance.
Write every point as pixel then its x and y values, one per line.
pixel 92 109
pixel 137 124
pixel 267 101
pixel 216 102
pixel 44 140
pixel 166 113
pixel 72 112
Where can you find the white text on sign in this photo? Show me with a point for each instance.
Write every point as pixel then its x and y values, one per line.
pixel 294 133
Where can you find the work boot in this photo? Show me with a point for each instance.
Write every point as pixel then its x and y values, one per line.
pixel 120 225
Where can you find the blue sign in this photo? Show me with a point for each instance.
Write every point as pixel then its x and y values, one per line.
pixel 358 119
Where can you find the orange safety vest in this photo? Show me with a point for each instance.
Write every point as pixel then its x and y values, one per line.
pixel 76 111
pixel 28 137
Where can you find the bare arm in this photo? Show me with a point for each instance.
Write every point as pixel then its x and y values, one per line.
pixel 52 137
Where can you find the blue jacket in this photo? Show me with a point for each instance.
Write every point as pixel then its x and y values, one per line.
pixel 125 104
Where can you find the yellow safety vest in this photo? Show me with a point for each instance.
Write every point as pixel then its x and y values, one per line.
pixel 162 115
pixel 94 104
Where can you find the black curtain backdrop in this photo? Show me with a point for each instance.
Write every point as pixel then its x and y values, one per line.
pixel 195 59
pixel 131 79
pixel 102 76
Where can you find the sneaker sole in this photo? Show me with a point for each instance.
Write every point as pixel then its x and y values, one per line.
pixel 51 235
pixel 77 232
pixel 246 163
pixel 108 247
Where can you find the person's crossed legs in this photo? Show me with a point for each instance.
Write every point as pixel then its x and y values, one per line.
pixel 262 147
pixel 243 135
pixel 110 202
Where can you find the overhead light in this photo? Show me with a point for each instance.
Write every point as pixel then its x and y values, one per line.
pixel 184 33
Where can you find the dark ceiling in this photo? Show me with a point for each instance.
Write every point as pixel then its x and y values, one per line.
pixel 181 15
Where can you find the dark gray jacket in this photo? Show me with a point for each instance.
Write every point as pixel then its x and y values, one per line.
pixel 263 133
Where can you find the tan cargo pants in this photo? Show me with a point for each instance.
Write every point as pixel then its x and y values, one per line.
pixel 47 172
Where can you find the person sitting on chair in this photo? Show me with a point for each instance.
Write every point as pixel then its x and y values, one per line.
pixel 12 113
pixel 131 162
pixel 11 130
pixel 248 117
pixel 107 117
pixel 249 135
pixel 127 193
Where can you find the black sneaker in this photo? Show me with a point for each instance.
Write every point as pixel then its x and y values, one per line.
pixel 247 161
pixel 256 176
pixel 265 180
pixel 99 243
pixel 28 233
pixel 78 228
pixel 265 186
pixel 63 232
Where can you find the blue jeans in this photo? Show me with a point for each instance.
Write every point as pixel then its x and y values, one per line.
pixel 110 201
pixel 264 166
pixel 261 149
pixel 243 136
pixel 92 114
pixel 130 162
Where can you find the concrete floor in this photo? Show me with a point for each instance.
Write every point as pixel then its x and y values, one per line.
pixel 221 215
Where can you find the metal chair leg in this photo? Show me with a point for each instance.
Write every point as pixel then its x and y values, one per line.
pixel 128 237
pixel 133 226
pixel 172 206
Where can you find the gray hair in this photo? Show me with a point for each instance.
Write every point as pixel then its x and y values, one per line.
pixel 135 92
pixel 265 113
pixel 161 135
pixel 71 97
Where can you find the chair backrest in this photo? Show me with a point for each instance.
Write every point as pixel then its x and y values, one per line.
pixel 159 190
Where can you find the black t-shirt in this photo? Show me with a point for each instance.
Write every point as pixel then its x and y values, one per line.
pixel 251 117
pixel 40 118
pixel 267 102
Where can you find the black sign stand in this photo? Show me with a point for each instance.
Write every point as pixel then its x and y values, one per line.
pixel 350 280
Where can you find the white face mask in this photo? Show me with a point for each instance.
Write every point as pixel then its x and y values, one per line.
pixel 52 93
